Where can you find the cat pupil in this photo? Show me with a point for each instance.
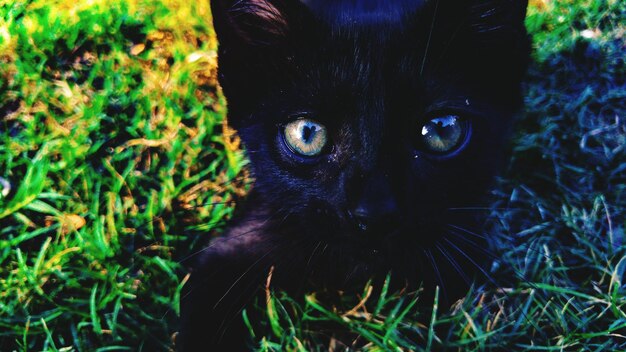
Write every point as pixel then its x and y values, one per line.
pixel 308 133
pixel 444 122
pixel 441 127
pixel 444 128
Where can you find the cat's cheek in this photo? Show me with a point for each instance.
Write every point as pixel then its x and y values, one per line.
pixel 445 182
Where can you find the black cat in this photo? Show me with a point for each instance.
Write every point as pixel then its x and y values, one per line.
pixel 367 124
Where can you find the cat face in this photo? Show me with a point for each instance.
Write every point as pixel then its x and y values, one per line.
pixel 366 123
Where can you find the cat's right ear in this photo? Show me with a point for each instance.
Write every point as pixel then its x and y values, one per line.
pixel 256 23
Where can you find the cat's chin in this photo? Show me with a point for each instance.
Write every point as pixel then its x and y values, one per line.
pixel 416 253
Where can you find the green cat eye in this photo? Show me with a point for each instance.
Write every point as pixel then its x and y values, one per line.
pixel 444 134
pixel 305 137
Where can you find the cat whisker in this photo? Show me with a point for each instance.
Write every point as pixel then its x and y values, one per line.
pixel 308 268
pixel 467 231
pixel 324 249
pixel 481 208
pixel 454 264
pixel 516 272
pixel 471 260
pixel 440 281
pixel 243 275
pixel 239 278
pixel 495 284
pixel 221 240
pixel 473 244
pixel 447 47
pixel 485 237
pixel 430 34
pixel 488 253
pixel 317 246
pixel 239 299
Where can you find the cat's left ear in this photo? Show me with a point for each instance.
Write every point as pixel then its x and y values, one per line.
pixel 498 43
pixel 257 41
pixel 257 23
pixel 490 18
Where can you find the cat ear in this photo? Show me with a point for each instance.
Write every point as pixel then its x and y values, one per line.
pixel 500 45
pixel 258 23
pixel 491 19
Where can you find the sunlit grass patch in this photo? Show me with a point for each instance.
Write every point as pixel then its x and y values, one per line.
pixel 112 146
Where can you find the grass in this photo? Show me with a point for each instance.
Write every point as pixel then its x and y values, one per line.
pixel 115 165
pixel 113 144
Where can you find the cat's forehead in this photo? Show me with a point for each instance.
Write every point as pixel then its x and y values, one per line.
pixel 362 12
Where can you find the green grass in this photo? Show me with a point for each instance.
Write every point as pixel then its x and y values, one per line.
pixel 113 142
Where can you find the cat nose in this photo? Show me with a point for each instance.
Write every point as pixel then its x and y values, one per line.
pixel 377 219
pixel 376 211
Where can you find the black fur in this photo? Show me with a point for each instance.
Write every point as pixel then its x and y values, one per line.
pixel 372 72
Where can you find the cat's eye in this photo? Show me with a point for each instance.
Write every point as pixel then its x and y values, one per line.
pixel 445 134
pixel 305 137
